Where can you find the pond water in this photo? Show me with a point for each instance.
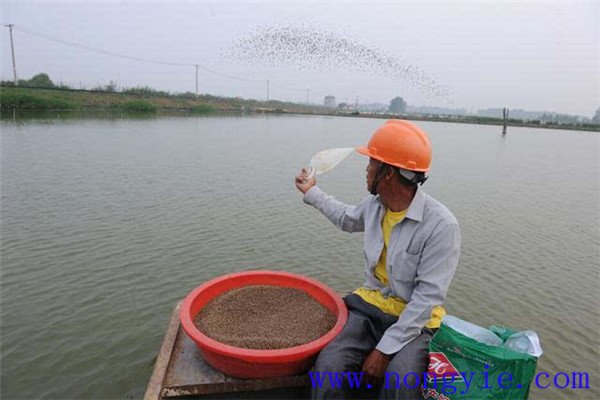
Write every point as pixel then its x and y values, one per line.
pixel 107 222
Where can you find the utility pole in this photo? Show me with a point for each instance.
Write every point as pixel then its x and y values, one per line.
pixel 196 80
pixel 267 90
pixel 307 90
pixel 12 50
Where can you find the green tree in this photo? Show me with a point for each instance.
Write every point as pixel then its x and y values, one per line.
pixel 41 80
pixel 397 105
pixel 596 117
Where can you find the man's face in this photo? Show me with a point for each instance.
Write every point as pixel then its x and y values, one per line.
pixel 372 168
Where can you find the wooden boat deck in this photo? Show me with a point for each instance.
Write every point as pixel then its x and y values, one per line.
pixel 181 372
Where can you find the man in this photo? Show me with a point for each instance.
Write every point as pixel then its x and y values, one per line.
pixel 411 246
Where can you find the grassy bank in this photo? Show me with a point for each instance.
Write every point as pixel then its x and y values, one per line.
pixel 147 101
pixel 23 98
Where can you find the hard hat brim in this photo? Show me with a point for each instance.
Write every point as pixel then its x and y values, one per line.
pixel 363 150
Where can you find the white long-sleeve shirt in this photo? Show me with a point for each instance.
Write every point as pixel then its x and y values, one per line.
pixel 422 255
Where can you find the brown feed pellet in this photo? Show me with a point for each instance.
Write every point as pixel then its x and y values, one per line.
pixel 264 317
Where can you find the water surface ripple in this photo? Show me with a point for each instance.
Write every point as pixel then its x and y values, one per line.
pixel 107 223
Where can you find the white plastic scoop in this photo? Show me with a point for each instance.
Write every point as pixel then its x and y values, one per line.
pixel 326 160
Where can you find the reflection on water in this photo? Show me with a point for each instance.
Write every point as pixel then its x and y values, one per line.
pixel 29 116
pixel 108 221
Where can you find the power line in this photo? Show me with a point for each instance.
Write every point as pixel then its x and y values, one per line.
pixel 140 59
pixel 158 62
pixel 288 88
pixel 230 76
pixel 94 49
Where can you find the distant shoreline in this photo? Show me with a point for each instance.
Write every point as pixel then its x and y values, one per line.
pixel 14 99
pixel 461 120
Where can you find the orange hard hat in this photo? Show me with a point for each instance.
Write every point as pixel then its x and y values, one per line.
pixel 400 143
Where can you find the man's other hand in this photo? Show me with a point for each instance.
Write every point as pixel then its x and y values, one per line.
pixel 303 182
pixel 374 367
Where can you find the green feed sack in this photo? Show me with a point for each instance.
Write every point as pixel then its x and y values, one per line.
pixel 475 370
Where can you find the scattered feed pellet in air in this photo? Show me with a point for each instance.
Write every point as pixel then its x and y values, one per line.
pixel 304 46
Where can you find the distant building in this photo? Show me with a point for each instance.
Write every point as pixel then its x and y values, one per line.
pixel 329 101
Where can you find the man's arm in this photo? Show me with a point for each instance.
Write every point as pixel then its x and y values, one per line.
pixel 346 217
pixel 435 271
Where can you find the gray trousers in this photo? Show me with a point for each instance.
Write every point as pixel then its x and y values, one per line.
pixel 347 352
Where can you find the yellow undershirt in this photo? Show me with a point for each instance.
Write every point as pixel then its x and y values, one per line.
pixel 390 304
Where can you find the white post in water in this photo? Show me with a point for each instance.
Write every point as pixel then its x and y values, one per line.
pixel 196 80
pixel 267 90
pixel 12 50
pixel 504 120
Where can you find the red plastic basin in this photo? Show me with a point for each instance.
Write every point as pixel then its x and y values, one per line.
pixel 248 363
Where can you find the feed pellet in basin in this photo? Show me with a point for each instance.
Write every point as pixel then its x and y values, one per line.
pixel 264 317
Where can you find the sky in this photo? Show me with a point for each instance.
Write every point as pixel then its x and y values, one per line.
pixel 532 55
